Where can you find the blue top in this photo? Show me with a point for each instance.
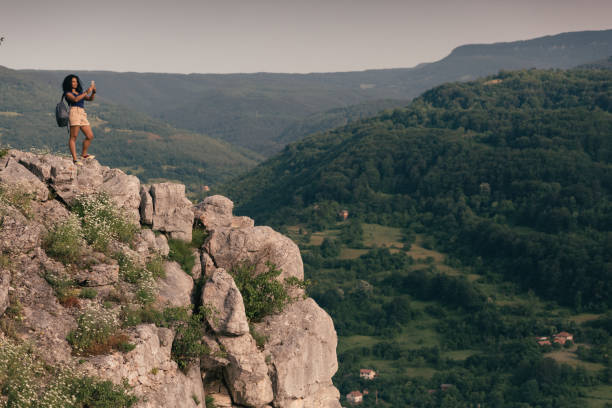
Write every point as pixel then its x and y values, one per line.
pixel 80 104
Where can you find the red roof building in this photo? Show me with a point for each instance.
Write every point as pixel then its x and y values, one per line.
pixel 354 397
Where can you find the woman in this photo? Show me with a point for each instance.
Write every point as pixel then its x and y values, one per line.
pixel 76 98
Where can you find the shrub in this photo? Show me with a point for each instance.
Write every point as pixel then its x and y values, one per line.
pixel 95 328
pixel 88 293
pixel 210 401
pixel 64 241
pixel 181 252
pixel 63 285
pixel 156 267
pixel 187 346
pixel 103 221
pixel 142 278
pixel 262 293
pixel 17 197
pixel 29 383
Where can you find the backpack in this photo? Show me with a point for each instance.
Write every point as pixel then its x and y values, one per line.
pixel 61 113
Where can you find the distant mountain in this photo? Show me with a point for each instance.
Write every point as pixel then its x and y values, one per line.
pixel 605 63
pixel 124 138
pixel 262 111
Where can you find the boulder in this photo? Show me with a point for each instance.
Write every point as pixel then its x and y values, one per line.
pixel 146 206
pixel 124 190
pixel 223 297
pixel 246 375
pixel 39 165
pixel 175 289
pixel 257 245
pixel 5 283
pixel 302 344
pixel 146 241
pixel 216 212
pixel 215 358
pixel 149 369
pixel 172 211
pixel 15 176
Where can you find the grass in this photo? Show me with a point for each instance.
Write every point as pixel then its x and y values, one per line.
pixel 598 396
pixel 569 357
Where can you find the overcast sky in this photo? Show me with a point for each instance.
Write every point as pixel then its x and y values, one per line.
pixel 223 36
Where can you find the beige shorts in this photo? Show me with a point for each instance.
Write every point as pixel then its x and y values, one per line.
pixel 77 116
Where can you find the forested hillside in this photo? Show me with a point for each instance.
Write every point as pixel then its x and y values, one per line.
pixel 124 138
pixel 263 111
pixel 479 222
pixel 514 169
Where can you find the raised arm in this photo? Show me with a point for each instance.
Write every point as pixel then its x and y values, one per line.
pixel 74 99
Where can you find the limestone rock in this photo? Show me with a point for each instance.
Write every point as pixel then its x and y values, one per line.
pixel 216 212
pixel 207 264
pixel 99 275
pixel 146 240
pixel 161 245
pixel 124 191
pixel 146 206
pixel 258 245
pixel 15 176
pixel 150 370
pixel 44 322
pixel 39 165
pixel 175 289
pixel 215 358
pixel 17 233
pixel 222 295
pixel 5 282
pixel 172 211
pixel 196 271
pixel 302 345
pixel 246 375
pixel 49 213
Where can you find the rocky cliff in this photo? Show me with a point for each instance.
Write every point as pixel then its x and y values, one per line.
pixel 55 292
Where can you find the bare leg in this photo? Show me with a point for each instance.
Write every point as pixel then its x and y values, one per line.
pixel 74 132
pixel 88 138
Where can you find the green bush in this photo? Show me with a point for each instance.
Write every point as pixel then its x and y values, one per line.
pixel 16 196
pixel 262 293
pixel 187 346
pixel 182 252
pixel 64 241
pixel 88 293
pixel 143 278
pixel 27 382
pixel 156 267
pixel 95 328
pixel 103 221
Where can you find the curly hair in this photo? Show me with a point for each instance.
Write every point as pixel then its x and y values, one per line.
pixel 67 84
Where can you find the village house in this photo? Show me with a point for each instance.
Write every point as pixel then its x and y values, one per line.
pixel 343 215
pixel 367 373
pixel 562 338
pixel 354 397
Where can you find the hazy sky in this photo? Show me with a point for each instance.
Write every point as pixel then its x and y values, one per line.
pixel 224 36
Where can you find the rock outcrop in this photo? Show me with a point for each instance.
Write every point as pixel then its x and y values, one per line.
pixel 175 288
pixel 172 211
pixel 290 365
pixel 221 295
pixel 150 369
pixel 301 343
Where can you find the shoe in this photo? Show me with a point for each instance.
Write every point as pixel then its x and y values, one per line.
pixel 88 156
pixel 77 162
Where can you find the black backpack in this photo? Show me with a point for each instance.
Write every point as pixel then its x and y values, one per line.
pixel 61 113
